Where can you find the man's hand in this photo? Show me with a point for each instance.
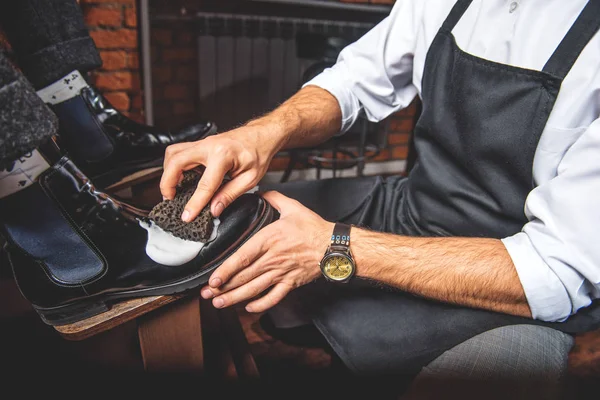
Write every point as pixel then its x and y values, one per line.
pixel 240 152
pixel 281 257
pixel 309 117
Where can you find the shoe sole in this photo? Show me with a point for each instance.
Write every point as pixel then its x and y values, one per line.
pixel 80 310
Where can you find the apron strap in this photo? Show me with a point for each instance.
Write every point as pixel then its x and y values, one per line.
pixel 455 14
pixel 582 31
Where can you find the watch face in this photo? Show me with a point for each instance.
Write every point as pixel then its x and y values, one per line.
pixel 338 267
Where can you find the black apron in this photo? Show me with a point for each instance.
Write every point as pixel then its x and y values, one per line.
pixel 475 142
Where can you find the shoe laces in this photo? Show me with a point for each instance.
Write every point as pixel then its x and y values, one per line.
pixel 97 207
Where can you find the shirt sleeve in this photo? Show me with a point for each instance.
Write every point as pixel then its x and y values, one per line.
pixel 374 74
pixel 557 255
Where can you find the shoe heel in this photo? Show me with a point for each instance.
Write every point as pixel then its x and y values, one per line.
pixel 70 314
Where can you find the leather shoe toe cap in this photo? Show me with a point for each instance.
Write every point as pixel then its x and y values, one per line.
pixel 194 132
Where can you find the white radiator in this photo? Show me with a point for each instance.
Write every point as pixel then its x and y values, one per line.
pixel 249 64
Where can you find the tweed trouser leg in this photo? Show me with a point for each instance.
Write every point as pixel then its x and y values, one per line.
pixel 49 38
pixel 25 121
pixel 512 362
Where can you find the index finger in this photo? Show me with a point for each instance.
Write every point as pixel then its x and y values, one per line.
pixel 207 186
pixel 175 165
pixel 249 252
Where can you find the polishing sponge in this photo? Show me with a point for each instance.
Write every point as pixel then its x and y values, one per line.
pixel 167 215
pixel 170 240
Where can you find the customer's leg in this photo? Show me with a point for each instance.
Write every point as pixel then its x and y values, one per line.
pixel 512 362
pixel 25 121
pixel 49 38
pixel 55 50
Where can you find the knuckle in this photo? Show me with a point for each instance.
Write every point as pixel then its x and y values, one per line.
pixel 270 302
pixel 264 264
pixel 243 260
pixel 169 151
pixel 209 141
pixel 164 186
pixel 241 278
pixel 245 278
pixel 224 272
pixel 284 292
pixel 262 244
pixel 174 161
pixel 203 187
pixel 226 198
pixel 278 230
pixel 220 149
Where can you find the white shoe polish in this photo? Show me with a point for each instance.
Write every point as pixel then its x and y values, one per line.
pixel 164 248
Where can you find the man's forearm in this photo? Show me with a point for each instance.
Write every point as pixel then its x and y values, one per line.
pixel 308 118
pixel 473 272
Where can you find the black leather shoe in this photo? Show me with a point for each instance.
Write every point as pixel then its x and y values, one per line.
pixel 107 145
pixel 74 249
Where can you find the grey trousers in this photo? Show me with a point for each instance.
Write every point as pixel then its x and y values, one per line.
pixel 515 362
pixel 25 121
pixel 49 39
pixel 512 362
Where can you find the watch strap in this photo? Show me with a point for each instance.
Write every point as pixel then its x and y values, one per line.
pixel 340 239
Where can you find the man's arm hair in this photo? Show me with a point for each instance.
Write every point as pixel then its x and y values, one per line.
pixel 474 272
pixel 308 118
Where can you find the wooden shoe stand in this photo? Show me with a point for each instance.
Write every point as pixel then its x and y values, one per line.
pixel 181 333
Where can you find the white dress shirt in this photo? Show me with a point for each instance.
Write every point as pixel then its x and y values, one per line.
pixel 557 253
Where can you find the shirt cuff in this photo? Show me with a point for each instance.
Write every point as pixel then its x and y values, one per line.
pixel 546 295
pixel 332 80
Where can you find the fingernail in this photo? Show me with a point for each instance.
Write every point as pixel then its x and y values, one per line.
pixel 219 209
pixel 248 308
pixel 215 282
pixel 207 293
pixel 218 303
pixel 185 216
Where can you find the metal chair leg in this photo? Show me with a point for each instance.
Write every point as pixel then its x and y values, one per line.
pixel 289 168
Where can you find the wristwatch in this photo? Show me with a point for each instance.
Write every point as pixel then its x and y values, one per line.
pixel 337 265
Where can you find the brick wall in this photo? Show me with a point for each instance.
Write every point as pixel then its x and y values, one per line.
pixel 113 25
pixel 114 28
pixel 175 74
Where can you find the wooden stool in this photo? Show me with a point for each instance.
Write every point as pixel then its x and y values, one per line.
pixel 181 333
